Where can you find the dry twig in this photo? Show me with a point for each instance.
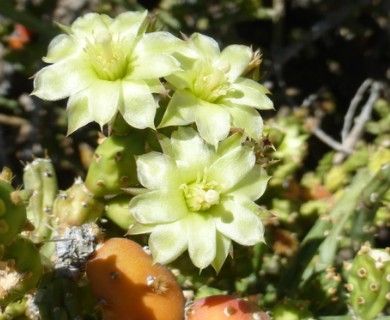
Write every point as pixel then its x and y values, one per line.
pixel 350 135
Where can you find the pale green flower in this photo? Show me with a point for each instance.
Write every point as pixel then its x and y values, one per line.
pixel 198 198
pixel 211 91
pixel 107 65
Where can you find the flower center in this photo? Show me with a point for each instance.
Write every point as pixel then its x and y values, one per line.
pixel 201 194
pixel 106 57
pixel 209 82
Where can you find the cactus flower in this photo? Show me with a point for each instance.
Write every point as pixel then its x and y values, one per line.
pixel 198 198
pixel 211 91
pixel 106 66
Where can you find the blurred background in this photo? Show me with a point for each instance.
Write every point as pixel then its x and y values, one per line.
pixel 316 54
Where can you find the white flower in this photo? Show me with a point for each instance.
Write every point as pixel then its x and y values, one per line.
pixel 211 91
pixel 107 65
pixel 198 199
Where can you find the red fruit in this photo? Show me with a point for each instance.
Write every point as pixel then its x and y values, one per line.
pixel 221 307
pixel 128 286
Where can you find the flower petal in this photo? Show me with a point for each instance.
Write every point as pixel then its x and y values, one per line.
pixel 62 79
pixel 179 80
pixel 213 122
pixel 206 46
pixel 181 109
pixel 158 206
pixel 103 100
pixel 167 242
pixel 247 92
pixel 78 112
pixel 138 105
pixel 155 86
pixel 190 150
pixel 252 186
pixel 230 143
pixel 156 171
pixel 139 228
pixel 62 47
pixel 152 55
pixel 247 119
pixel 202 245
pixel 90 24
pixel 233 166
pixel 129 23
pixel 149 65
pixel 224 247
pixel 244 227
pixel 236 58
pixel 160 42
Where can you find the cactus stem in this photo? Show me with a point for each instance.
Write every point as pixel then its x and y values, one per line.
pixel 362 273
pixel 332 291
pixel 2 207
pixel 349 286
pixel 100 183
pixel 361 300
pixel 6 175
pixel 124 180
pixel 374 287
pixel 3 227
pixel 118 156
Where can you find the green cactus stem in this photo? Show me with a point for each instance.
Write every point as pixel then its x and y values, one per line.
pixel 291 279
pixel 325 291
pixel 76 206
pixel 40 181
pixel 324 235
pixel 361 215
pixel 15 310
pixel 369 282
pixel 113 166
pixel 291 310
pixel 12 212
pixel 117 210
pixel 20 270
pixel 63 299
pixel 363 221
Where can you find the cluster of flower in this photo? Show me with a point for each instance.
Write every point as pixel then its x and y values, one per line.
pixel 201 191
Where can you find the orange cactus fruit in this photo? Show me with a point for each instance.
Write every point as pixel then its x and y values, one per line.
pixel 129 286
pixel 221 307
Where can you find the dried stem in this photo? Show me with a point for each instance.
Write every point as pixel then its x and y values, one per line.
pixel 350 135
pixel 352 108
